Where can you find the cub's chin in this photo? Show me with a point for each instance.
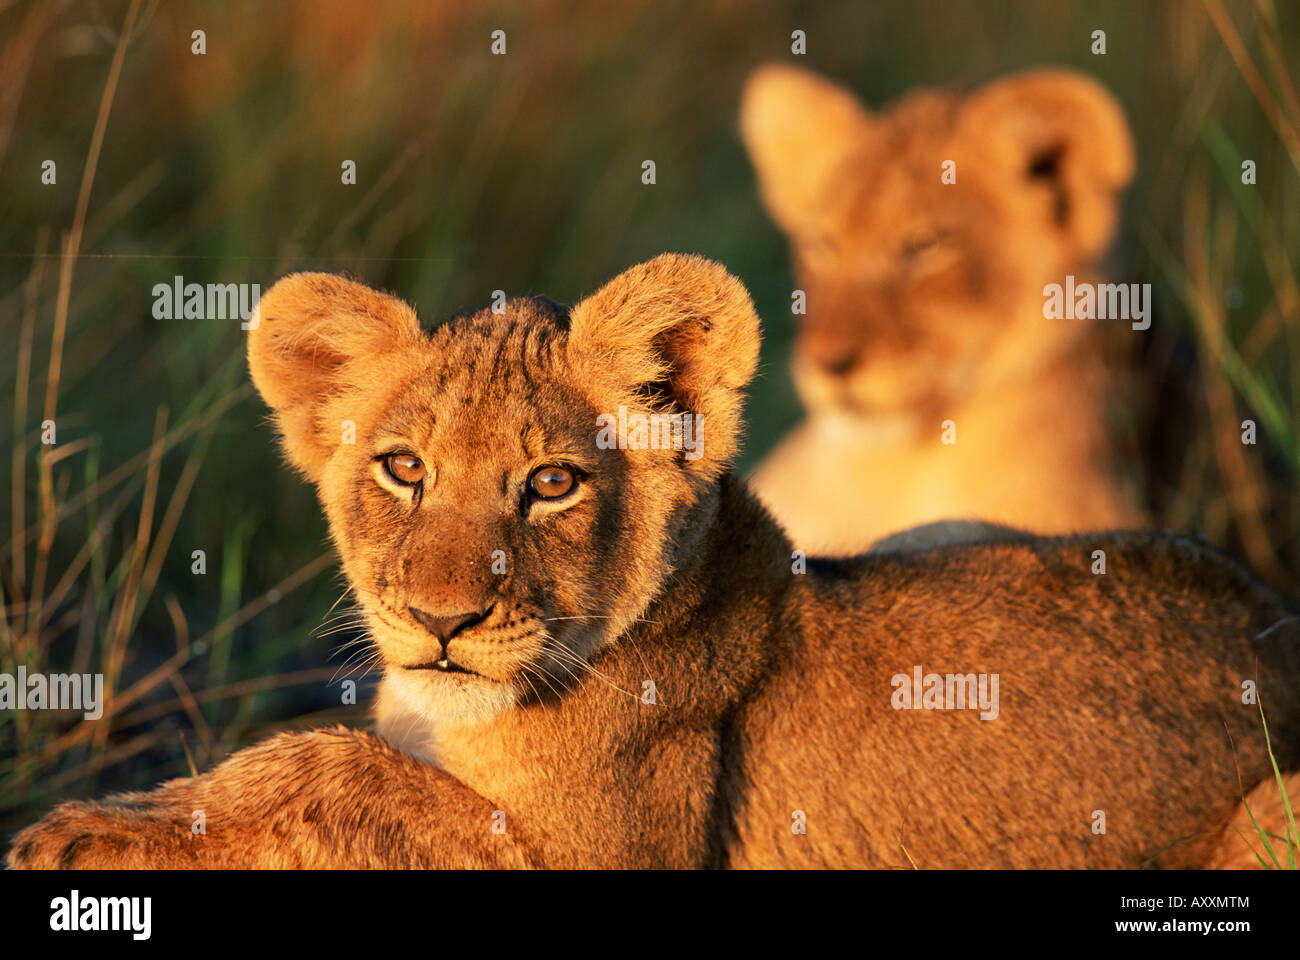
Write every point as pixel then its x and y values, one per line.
pixel 414 706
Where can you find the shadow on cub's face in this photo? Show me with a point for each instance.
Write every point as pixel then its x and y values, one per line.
pixel 923 236
pixel 494 540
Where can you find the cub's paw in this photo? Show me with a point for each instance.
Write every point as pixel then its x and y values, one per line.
pixel 122 832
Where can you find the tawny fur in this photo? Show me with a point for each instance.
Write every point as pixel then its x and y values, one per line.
pixel 771 688
pixel 1264 809
pixel 925 303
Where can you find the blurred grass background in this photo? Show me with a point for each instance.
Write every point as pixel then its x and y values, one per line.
pixel 520 172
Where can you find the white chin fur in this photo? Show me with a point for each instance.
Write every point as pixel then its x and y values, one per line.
pixel 413 707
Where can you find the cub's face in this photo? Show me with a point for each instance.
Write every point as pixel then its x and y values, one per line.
pixel 923 236
pixel 477 519
pixel 493 538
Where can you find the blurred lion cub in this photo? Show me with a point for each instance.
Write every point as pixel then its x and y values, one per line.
pixel 925 303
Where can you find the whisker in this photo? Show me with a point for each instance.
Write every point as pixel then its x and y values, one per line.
pixel 571 656
pixel 596 616
pixel 368 659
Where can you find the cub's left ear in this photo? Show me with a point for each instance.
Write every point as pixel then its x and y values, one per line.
pixel 1067 135
pixel 675 334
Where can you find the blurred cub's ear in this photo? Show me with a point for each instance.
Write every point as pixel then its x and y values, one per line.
pixel 1067 136
pixel 314 339
pixel 675 334
pixel 800 130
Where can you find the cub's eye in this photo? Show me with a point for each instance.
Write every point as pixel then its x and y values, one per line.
pixel 924 244
pixel 919 244
pixel 551 483
pixel 404 468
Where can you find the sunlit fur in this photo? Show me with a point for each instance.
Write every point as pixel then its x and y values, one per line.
pixel 925 302
pixel 328 352
pixel 720 689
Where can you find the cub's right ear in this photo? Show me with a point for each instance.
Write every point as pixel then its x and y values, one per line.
pixel 312 340
pixel 800 129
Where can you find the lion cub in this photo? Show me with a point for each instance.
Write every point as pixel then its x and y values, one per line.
pixel 599 652
pixel 934 387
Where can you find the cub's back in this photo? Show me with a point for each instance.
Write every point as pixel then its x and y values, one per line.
pixel 1116 692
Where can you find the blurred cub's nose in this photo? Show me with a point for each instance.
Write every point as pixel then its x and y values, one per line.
pixel 837 362
pixel 444 628
pixel 830 352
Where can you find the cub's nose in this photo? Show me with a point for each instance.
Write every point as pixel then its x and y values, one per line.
pixel 444 628
pixel 838 362
pixel 830 350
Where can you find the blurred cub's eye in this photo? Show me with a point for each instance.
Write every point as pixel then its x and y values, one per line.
pixel 920 244
pixel 551 483
pixel 404 468
pixel 926 242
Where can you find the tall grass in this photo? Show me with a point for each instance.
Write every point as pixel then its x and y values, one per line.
pixel 1279 847
pixel 520 173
